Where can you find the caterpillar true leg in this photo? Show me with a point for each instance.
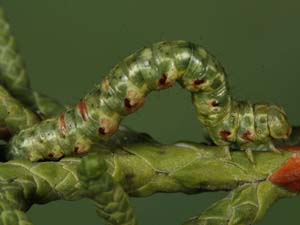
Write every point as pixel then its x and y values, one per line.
pixel 267 145
pixel 123 91
pixel 249 155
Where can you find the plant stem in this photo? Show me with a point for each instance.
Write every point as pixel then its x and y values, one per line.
pixel 144 167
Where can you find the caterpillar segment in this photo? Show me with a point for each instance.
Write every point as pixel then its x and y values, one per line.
pixel 108 178
pixel 124 89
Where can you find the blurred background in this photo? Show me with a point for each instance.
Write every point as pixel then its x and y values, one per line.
pixel 69 45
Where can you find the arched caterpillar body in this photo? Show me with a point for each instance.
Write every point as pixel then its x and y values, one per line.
pixel 123 91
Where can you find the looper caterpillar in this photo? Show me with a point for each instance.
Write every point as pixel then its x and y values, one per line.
pixel 123 90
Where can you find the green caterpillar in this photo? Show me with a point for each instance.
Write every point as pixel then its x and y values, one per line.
pixel 123 90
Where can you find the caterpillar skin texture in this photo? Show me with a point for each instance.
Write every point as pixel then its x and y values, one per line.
pixel 123 90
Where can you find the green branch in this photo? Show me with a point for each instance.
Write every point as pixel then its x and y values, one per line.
pixel 111 201
pixel 246 204
pixel 143 167
pixel 13 115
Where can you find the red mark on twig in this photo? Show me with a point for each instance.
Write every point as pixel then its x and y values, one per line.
pixel 290 148
pixel 288 175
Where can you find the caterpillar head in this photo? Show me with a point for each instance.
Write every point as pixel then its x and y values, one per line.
pixel 278 124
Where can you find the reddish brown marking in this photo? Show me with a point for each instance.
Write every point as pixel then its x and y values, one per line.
pixel 50 155
pixel 133 101
pixel 198 82
pixel 105 84
pixel 127 103
pixel 108 127
pixel 288 175
pixel 163 79
pixel 101 131
pixel 76 150
pixel 79 151
pixel 83 110
pixel 247 136
pixel 290 148
pixel 63 125
pixel 215 103
pixel 5 133
pixel 225 134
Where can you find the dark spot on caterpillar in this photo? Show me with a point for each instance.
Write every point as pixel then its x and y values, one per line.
pixel 79 151
pixel 101 131
pixel 215 103
pixel 83 110
pixel 50 155
pixel 247 136
pixel 263 120
pixel 129 177
pixel 198 82
pixel 163 79
pixel 76 150
pixel 224 134
pixel 5 133
pixel 62 124
pixel 127 103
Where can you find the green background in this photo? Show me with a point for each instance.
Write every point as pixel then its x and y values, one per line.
pixel 70 44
